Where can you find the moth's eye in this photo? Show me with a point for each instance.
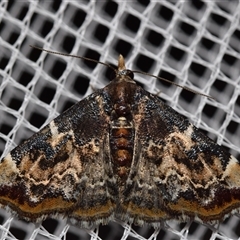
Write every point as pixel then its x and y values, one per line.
pixel 129 73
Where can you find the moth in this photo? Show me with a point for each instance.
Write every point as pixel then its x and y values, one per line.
pixel 120 153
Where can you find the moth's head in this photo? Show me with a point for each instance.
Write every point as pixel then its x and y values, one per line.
pixel 121 70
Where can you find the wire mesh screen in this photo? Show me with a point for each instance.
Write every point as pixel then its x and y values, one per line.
pixel 192 43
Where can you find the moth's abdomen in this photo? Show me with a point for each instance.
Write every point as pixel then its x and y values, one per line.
pixel 121 146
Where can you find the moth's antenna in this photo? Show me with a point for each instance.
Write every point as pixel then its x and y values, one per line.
pixel 168 81
pixel 134 71
pixel 75 56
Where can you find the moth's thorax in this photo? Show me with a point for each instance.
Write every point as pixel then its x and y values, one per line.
pixel 121 128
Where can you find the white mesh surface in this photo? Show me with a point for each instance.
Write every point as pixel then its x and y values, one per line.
pixel 193 43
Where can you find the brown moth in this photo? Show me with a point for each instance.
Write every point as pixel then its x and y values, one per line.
pixel 120 153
